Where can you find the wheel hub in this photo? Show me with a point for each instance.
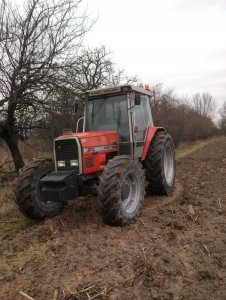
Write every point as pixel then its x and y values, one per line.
pixel 126 189
pixel 130 192
pixel 169 165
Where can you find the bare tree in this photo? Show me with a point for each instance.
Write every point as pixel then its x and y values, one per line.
pixel 222 121
pixel 204 104
pixel 94 68
pixel 36 46
pixel 91 68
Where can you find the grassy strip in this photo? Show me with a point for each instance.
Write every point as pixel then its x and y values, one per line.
pixel 188 148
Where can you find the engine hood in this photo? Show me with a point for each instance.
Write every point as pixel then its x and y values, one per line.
pixel 93 138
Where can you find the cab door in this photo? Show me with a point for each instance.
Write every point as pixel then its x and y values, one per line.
pixel 142 120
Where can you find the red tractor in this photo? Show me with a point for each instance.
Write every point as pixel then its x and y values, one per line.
pixel 120 155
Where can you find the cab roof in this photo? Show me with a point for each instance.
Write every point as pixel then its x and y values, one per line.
pixel 115 90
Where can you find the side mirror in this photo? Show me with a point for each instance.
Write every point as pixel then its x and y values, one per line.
pixel 137 99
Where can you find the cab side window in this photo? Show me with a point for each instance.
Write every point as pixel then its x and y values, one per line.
pixel 141 118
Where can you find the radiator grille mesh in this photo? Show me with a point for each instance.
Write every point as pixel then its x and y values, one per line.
pixel 89 162
pixel 66 150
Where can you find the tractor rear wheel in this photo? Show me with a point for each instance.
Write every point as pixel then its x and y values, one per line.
pixel 160 165
pixel 28 187
pixel 121 190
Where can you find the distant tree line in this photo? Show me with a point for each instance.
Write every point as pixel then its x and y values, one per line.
pixel 185 119
pixel 44 67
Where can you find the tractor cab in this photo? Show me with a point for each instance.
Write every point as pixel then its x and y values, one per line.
pixel 125 109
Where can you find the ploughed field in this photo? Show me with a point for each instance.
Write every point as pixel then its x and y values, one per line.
pixel 175 250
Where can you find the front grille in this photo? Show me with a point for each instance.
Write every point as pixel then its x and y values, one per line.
pixel 66 150
pixel 89 162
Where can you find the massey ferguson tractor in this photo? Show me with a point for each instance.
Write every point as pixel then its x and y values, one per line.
pixel 119 155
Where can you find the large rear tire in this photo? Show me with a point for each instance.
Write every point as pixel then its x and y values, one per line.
pixel 27 190
pixel 121 190
pixel 160 165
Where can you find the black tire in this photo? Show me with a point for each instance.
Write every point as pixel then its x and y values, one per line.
pixel 160 165
pixel 121 190
pixel 27 191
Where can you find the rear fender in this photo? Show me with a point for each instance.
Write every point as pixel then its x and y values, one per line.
pixel 150 135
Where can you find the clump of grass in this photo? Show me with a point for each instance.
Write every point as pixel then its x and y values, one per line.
pixel 7 203
pixel 11 222
pixel 34 148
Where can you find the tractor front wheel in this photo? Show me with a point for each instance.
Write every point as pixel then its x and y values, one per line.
pixel 121 190
pixel 28 187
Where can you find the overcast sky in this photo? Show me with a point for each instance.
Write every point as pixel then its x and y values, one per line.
pixel 180 43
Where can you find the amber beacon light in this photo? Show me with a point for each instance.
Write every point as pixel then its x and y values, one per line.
pixel 147 87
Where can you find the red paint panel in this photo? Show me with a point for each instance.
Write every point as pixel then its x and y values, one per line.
pixel 104 141
pixel 99 161
pixel 97 139
pixel 151 133
pixel 104 138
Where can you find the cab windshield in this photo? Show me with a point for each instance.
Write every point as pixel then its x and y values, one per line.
pixel 109 113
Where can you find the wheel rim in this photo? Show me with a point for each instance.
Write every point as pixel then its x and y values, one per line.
pixel 169 164
pixel 130 193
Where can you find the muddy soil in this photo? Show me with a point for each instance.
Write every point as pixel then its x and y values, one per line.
pixel 175 250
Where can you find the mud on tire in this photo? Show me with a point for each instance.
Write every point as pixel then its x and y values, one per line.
pixel 27 191
pixel 160 165
pixel 121 190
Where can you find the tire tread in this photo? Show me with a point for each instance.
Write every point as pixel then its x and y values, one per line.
pixel 26 190
pixel 153 164
pixel 110 193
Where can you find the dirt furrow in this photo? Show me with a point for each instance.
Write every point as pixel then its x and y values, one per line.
pixel 175 250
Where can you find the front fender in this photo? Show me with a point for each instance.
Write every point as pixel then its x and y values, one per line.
pixel 149 137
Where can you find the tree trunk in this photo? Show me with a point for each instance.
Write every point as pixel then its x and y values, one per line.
pixel 12 143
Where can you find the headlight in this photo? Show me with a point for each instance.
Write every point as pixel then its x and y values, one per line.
pixel 61 163
pixel 74 163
